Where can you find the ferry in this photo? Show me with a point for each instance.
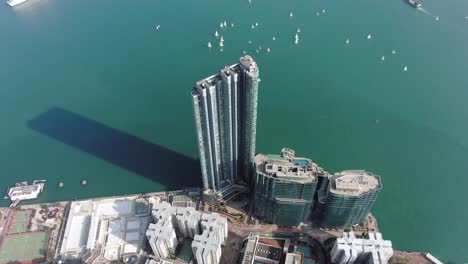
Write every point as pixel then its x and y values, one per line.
pixel 15 2
pixel 22 191
pixel 414 3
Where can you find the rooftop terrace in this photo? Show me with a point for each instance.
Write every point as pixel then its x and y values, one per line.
pixel 287 167
pixel 354 182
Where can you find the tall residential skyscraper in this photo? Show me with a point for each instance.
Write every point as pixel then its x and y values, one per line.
pixel 284 187
pixel 225 108
pixel 346 198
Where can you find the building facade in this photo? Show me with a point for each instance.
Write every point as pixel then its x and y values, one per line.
pixel 345 199
pixel 371 250
pixel 225 109
pixel 284 187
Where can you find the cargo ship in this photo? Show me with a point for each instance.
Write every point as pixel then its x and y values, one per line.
pixel 414 3
pixel 22 191
pixel 15 2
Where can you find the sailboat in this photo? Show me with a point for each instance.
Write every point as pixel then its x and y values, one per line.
pixel 298 30
pixel 296 39
pixel 225 24
pixel 209 44
pixel 221 39
pixel 221 25
pixel 216 33
pixel 369 36
pixel 291 14
pixel 157 27
pixel 268 50
pixel 221 44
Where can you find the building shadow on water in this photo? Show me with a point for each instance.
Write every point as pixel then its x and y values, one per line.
pixel 169 168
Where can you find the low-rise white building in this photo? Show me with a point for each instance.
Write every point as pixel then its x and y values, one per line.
pixel 208 231
pixel 216 224
pixel 107 229
pixel 162 238
pixel 373 249
pixel 206 248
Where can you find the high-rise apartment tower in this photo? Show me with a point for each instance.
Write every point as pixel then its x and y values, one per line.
pixel 225 108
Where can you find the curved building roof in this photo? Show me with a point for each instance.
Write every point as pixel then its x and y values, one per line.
pixel 354 182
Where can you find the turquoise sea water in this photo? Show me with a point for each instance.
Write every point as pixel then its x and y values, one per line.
pixel 90 90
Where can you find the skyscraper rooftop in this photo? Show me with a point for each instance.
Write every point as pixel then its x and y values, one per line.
pixel 354 182
pixel 287 167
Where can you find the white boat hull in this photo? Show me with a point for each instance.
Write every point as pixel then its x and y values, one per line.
pixel 15 2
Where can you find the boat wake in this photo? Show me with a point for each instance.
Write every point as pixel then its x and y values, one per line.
pixel 422 9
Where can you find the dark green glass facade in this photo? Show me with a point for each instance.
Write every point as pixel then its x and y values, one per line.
pixel 338 211
pixel 283 202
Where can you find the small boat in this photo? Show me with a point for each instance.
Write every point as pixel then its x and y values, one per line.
pixel 405 69
pixel 437 18
pixel 296 36
pixel 216 34
pixel 260 47
pixel 221 44
pixel 257 50
pixel 221 39
pixel 256 24
pixel 221 25
pixel 369 36
pixel 291 14
pixel 347 41
pixel 232 24
pixel 250 42
pixel 225 24
pixel 209 44
pixel 250 1
pixel 13 3
pixel 318 14
pixel 274 38
pixel 393 51
pixel 157 27
pixel 296 41
pixel 298 30
pixel 244 52
pixel 383 58
pixel 414 3
pixel 323 11
pixel 221 50
pixel 268 50
pixel 253 27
